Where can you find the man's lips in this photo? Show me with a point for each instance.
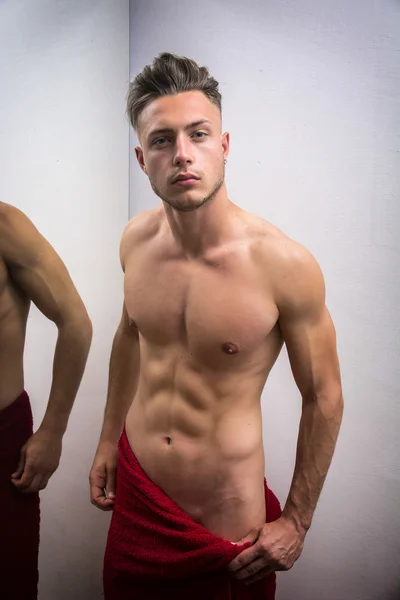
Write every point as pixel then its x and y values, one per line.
pixel 186 178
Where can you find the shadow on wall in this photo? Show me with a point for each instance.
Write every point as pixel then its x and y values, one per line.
pixel 395 595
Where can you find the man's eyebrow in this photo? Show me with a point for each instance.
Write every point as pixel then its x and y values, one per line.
pixel 170 130
pixel 197 123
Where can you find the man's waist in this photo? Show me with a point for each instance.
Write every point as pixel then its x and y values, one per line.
pixel 11 386
pixel 204 475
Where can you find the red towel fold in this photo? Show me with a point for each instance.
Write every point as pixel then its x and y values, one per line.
pixel 155 551
pixel 19 514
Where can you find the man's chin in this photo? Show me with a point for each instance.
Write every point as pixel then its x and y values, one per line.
pixel 185 206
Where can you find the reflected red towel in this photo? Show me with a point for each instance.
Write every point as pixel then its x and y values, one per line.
pixel 155 551
pixel 19 514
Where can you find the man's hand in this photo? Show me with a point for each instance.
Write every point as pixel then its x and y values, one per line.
pixel 103 476
pixel 278 546
pixel 39 458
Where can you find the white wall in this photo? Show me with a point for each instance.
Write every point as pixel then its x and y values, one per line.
pixel 312 100
pixel 64 71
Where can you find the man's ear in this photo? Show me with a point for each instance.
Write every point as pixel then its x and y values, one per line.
pixel 140 158
pixel 225 144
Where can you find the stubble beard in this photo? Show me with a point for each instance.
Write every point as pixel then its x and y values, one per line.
pixel 191 205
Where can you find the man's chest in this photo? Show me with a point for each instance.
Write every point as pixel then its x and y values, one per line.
pixel 211 310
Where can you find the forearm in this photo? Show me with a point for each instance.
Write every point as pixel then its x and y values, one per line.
pixel 318 432
pixel 71 352
pixel 123 381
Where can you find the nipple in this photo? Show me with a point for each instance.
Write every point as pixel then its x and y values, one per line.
pixel 230 348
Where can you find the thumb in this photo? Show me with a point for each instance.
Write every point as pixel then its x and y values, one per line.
pixel 111 482
pixel 21 464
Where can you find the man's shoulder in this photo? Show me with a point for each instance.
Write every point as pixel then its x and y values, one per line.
pixel 13 222
pixel 290 268
pixel 21 243
pixel 140 229
pixel 271 244
pixel 12 225
pixel 144 225
pixel 9 214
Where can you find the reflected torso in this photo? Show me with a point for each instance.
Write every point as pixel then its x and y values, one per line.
pixel 209 335
pixel 14 309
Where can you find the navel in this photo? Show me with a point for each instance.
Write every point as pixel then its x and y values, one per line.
pixel 230 348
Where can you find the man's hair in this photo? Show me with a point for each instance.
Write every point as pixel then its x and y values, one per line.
pixel 168 75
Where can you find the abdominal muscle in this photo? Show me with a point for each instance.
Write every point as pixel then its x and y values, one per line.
pixel 14 310
pixel 206 456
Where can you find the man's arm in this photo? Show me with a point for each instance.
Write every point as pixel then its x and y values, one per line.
pixel 122 384
pixel 311 343
pixel 43 278
pixel 123 380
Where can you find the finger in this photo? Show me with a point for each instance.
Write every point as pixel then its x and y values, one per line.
pixel 103 503
pixel 263 574
pixel 111 482
pixel 25 481
pixel 98 477
pixel 98 481
pixel 34 486
pixel 21 464
pixel 243 559
pixel 99 499
pixel 252 569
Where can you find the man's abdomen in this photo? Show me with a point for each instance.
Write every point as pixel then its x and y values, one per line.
pixel 216 475
pixel 11 366
pixel 14 310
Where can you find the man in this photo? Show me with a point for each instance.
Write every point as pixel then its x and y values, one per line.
pixel 211 294
pixel 30 270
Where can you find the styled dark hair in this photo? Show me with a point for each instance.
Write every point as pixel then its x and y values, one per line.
pixel 168 75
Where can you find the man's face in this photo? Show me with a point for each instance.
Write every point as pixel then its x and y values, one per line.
pixel 182 149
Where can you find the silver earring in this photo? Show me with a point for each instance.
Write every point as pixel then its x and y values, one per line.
pixel 225 161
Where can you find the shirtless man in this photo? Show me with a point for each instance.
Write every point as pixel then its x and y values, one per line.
pixel 211 295
pixel 30 270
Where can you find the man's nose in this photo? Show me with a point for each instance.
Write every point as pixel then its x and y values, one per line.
pixel 183 153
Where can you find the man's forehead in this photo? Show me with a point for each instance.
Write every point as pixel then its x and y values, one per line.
pixel 177 111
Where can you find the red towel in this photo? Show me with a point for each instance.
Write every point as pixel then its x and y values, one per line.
pixel 19 513
pixel 155 551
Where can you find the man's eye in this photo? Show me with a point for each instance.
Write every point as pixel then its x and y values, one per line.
pixel 159 141
pixel 199 134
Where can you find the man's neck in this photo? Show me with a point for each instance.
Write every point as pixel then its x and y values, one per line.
pixel 207 226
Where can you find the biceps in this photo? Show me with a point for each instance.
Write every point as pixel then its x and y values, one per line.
pixel 48 284
pixel 312 353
